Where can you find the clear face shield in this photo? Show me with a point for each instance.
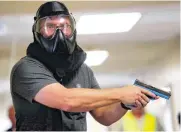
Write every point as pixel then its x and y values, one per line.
pixel 47 26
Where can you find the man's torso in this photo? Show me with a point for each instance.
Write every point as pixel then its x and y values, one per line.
pixel 35 116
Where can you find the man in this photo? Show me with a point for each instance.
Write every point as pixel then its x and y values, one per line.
pixel 137 120
pixel 52 88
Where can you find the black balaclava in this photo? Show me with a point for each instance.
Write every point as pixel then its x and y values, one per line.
pixel 58 43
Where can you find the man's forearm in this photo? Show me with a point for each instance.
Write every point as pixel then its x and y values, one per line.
pixel 77 99
pixel 89 99
pixel 84 99
pixel 109 114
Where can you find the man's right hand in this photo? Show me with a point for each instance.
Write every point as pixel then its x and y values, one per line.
pixel 134 95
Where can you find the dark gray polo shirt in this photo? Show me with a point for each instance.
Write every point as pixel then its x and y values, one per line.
pixel 28 76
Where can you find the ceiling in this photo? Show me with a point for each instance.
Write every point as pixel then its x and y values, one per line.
pixel 149 43
pixel 159 21
pixel 26 7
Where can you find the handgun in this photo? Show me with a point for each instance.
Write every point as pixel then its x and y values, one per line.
pixel 156 91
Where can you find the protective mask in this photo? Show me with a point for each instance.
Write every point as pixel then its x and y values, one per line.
pixel 55 32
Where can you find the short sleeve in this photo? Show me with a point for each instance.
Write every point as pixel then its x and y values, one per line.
pixel 93 80
pixel 29 77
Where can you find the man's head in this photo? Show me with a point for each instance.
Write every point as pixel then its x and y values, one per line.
pixel 54 28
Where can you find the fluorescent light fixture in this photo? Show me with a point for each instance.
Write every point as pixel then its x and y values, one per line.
pixel 95 58
pixel 107 23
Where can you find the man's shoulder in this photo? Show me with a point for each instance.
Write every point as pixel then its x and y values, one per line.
pixel 27 60
pixel 86 71
pixel 85 68
pixel 27 63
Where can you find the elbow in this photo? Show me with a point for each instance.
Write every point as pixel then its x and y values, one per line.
pixel 107 123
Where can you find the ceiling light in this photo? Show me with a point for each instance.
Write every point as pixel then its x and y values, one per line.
pixel 107 23
pixel 95 58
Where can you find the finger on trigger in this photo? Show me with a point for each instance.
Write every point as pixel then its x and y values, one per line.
pixel 147 92
pixel 145 98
